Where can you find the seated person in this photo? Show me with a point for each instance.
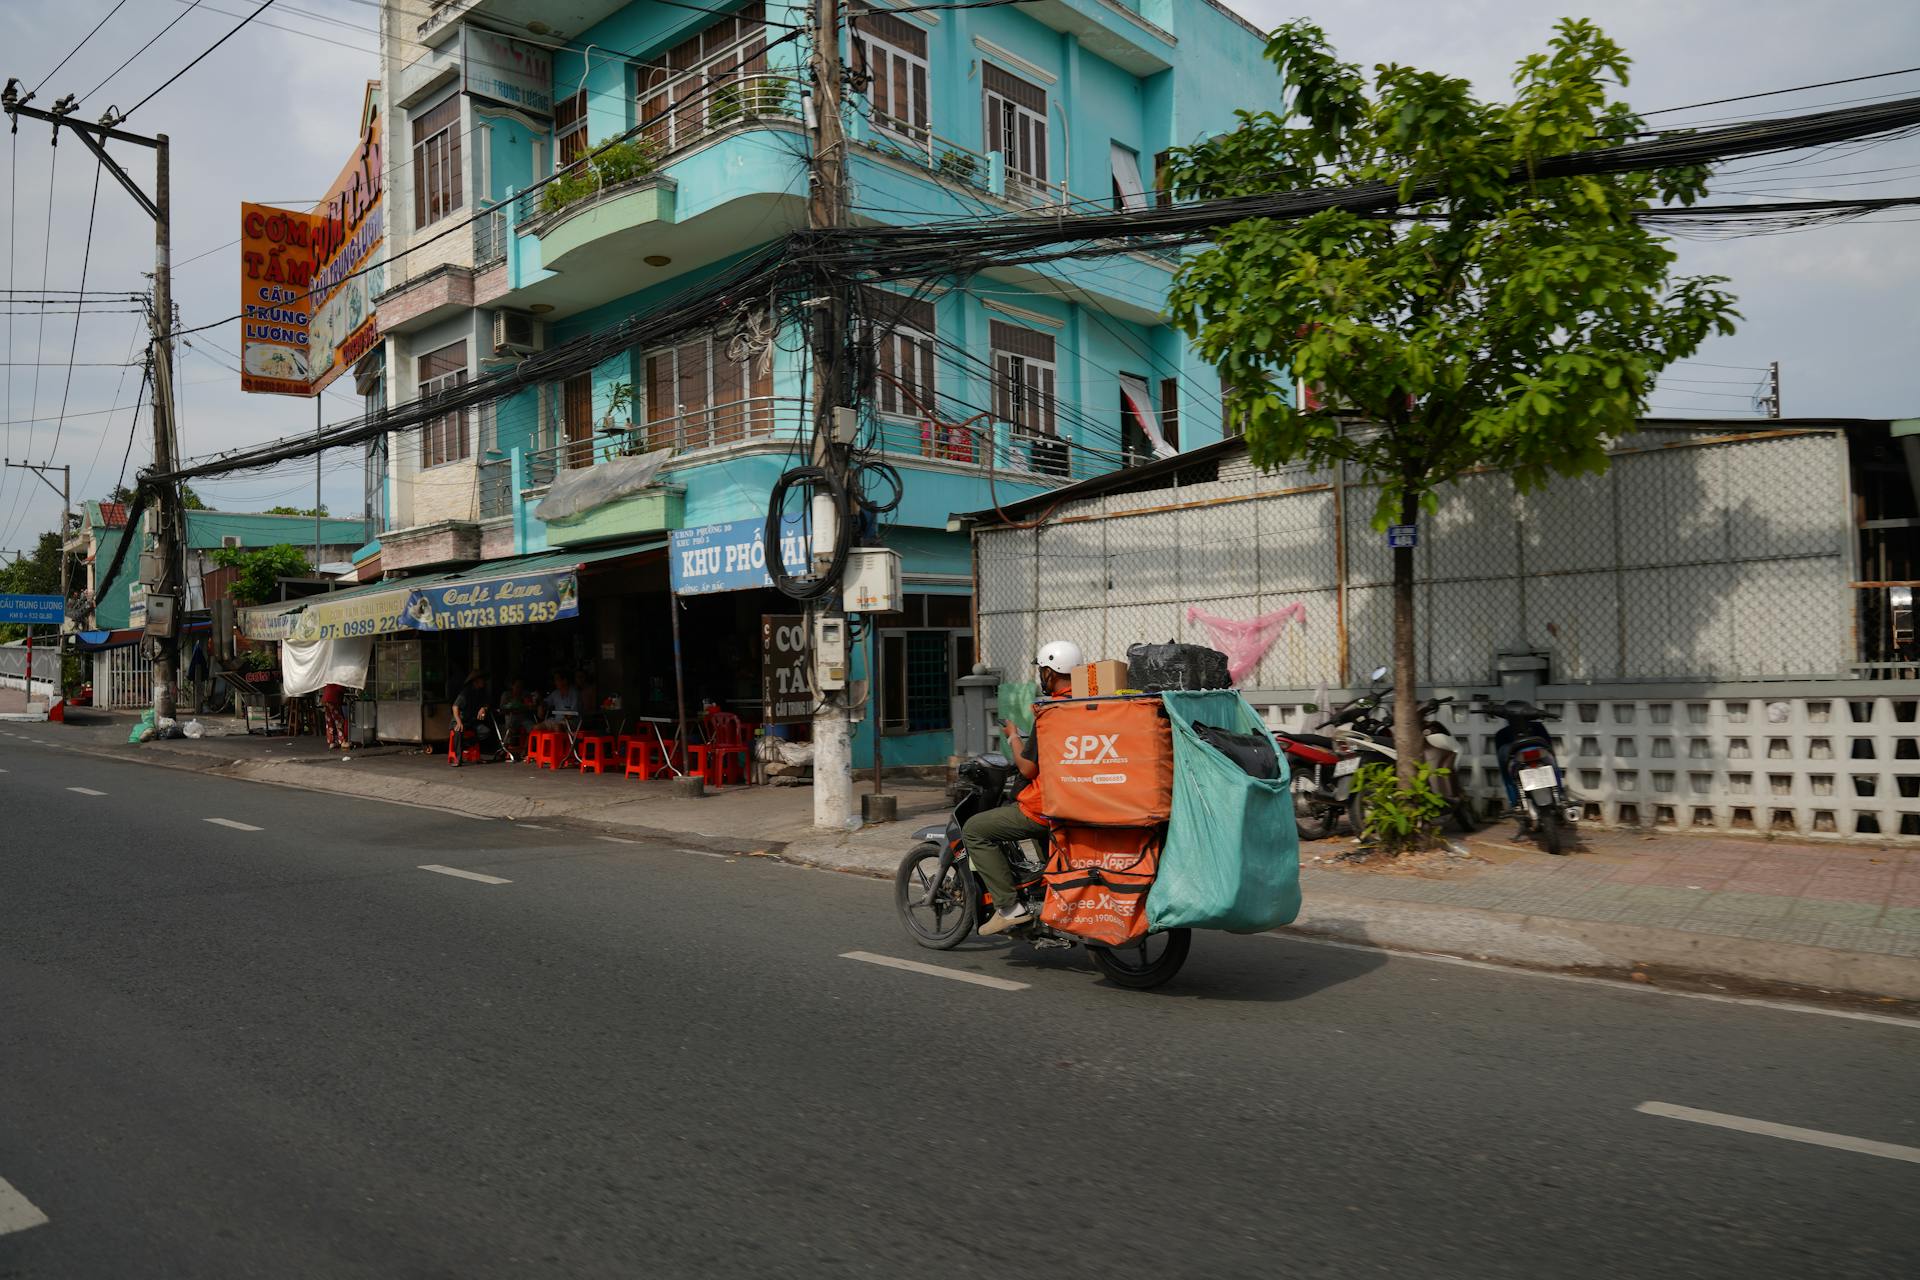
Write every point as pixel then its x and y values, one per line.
pixel 563 703
pixel 470 707
pixel 520 708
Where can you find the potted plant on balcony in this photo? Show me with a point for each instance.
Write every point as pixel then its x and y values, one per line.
pixel 959 165
pixel 760 96
pixel 608 165
pixel 620 402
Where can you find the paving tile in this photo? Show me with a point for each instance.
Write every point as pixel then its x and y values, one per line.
pixel 1848 937
pixel 1902 918
pixel 1807 933
pixel 1754 905
pixel 1662 917
pixel 1813 909
pixel 1665 896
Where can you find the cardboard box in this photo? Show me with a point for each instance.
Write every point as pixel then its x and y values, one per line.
pixel 1099 679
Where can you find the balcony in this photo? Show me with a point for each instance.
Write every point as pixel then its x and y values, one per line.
pixel 1013 454
pixel 443 277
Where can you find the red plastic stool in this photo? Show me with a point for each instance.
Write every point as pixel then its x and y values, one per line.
pixel 643 756
pixel 544 748
pixel 596 752
pixel 465 754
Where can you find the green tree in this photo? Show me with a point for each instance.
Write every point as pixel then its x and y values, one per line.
pixel 261 570
pixel 1499 321
pixel 296 511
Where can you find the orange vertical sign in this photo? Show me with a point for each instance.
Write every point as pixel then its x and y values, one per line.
pixel 276 273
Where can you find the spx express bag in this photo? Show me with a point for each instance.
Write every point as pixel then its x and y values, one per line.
pixel 1105 762
pixel 1097 882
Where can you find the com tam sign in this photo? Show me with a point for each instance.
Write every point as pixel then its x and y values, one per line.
pixel 305 302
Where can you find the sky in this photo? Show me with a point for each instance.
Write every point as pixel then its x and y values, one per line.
pixel 271 116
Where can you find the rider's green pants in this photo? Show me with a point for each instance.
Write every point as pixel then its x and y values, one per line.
pixel 986 835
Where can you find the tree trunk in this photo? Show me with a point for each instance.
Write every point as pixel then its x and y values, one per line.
pixel 1409 738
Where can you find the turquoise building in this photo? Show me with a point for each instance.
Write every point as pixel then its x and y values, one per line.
pixel 982 390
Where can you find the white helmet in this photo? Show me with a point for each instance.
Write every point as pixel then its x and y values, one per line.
pixel 1059 655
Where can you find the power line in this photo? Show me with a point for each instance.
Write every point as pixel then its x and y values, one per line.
pixel 86 260
pixel 83 42
pixel 1772 93
pixel 264 5
pixel 136 53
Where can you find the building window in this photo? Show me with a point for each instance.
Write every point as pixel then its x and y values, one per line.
pixel 1129 192
pixel 705 392
pixel 1024 376
pixel 1170 411
pixel 890 56
pixel 1017 128
pixel 903 354
pixel 444 438
pixel 710 80
pixel 917 671
pixel 570 130
pixel 436 163
pixel 1162 197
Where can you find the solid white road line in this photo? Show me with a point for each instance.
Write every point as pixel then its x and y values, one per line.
pixel 1611 984
pixel 87 791
pixel 464 875
pixel 616 840
pixel 934 971
pixel 229 822
pixel 17 1213
pixel 1792 1133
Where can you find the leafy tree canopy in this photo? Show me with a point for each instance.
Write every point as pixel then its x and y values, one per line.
pixel 1500 321
pixel 189 500
pixel 296 511
pixel 261 570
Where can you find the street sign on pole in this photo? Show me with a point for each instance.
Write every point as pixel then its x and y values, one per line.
pixel 32 610
pixel 1403 535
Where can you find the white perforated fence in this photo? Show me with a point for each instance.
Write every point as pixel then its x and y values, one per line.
pixel 1694 566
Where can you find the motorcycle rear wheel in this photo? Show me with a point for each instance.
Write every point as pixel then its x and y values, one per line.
pixel 1551 831
pixel 1316 822
pixel 1143 965
pixel 948 915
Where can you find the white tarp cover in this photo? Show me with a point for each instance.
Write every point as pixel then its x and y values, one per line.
pixel 309 666
pixel 581 489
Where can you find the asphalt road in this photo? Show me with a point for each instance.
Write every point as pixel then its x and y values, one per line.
pixel 292 1052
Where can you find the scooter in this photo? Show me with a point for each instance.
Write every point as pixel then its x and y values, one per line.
pixel 1546 811
pixel 941 902
pixel 1441 754
pixel 1323 766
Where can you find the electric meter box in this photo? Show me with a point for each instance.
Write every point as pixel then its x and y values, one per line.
pixel 829 652
pixel 871 583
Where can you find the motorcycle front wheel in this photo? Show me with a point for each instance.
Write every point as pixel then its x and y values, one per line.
pixel 1143 965
pixel 1315 822
pixel 938 917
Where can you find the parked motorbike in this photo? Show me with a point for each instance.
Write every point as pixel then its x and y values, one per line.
pixel 941 901
pixel 1323 766
pixel 1546 810
pixel 1441 753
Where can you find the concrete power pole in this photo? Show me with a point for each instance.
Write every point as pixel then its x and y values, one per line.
pixel 826 205
pixel 158 207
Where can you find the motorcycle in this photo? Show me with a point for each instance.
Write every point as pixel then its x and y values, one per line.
pixel 1323 766
pixel 1364 727
pixel 1441 754
pixel 1546 810
pixel 941 901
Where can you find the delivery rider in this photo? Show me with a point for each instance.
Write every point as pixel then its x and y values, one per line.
pixel 987 834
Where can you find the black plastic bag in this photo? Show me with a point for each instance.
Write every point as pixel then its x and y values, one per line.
pixel 1253 752
pixel 1177 666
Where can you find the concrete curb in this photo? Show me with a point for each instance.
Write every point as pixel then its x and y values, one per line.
pixel 1602 947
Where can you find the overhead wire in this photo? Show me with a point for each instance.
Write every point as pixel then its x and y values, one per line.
pixel 264 5
pixel 77 48
pixel 86 260
pixel 137 52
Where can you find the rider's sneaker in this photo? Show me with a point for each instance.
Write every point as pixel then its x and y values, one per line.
pixel 1007 917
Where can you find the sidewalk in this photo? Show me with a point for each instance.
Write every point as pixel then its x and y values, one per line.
pixel 1751 914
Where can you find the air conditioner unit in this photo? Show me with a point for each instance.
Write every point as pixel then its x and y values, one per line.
pixel 229 540
pixel 515 333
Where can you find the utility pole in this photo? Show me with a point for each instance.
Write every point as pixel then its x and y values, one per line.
pixel 158 207
pixel 317 451
pixel 826 206
pixel 1773 389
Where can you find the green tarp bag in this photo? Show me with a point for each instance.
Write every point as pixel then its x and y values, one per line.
pixel 1232 857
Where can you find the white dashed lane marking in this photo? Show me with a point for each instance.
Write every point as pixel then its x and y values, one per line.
pixel 1792 1133
pixel 87 791
pixel 464 875
pixel 229 822
pixel 17 1213
pixel 933 971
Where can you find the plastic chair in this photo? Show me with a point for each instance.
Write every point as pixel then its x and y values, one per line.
pixel 468 749
pixel 643 756
pixel 545 747
pixel 724 756
pixel 595 752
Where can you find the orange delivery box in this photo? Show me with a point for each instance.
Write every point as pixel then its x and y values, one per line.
pixel 1105 762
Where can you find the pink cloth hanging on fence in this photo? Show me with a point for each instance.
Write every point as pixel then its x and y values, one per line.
pixel 1245 643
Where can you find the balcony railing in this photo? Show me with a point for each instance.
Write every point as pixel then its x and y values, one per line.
pixel 1018 454
pixel 496 488
pixel 490 237
pixel 691 432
